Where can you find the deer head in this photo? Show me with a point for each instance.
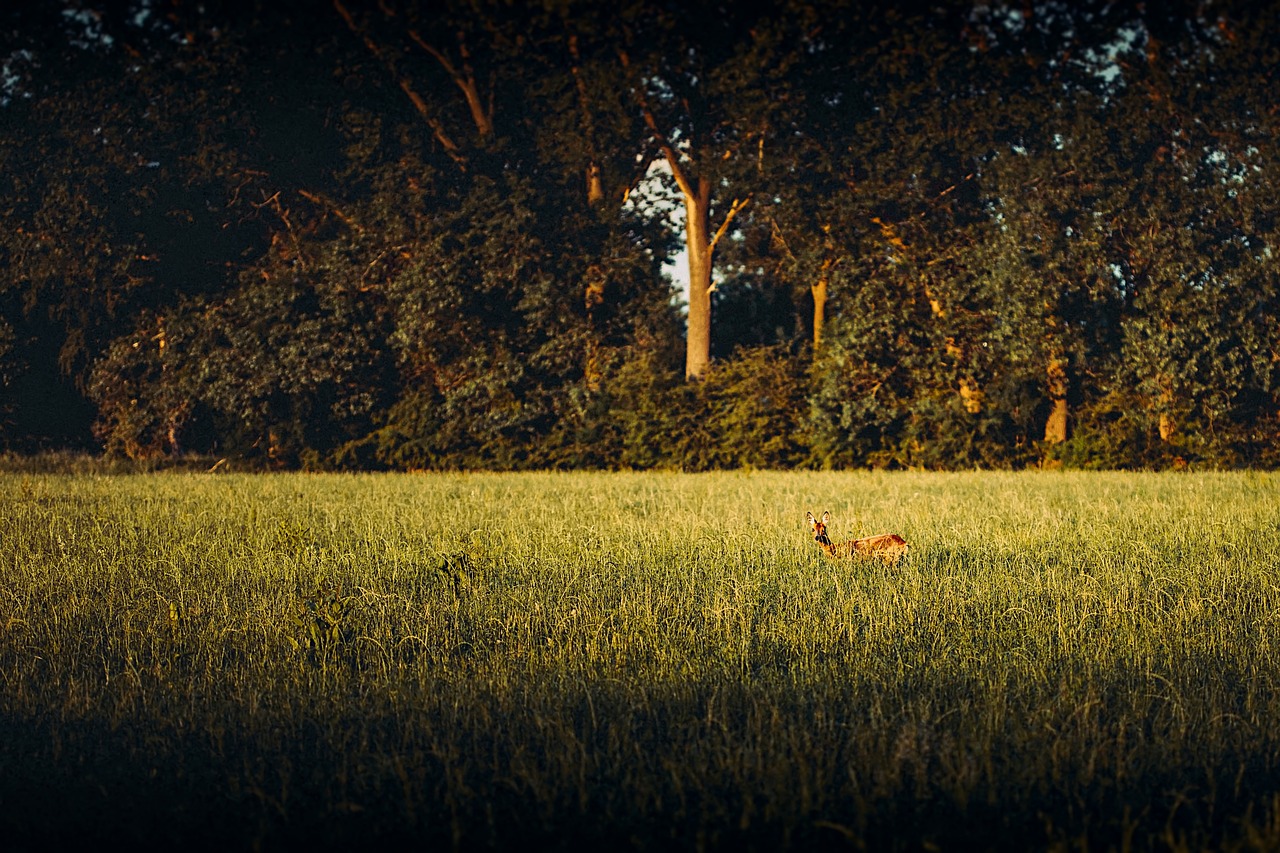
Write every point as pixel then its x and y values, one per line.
pixel 819 528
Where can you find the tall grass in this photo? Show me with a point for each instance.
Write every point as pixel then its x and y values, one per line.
pixel 650 660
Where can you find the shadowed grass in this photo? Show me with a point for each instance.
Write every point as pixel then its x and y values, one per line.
pixel 650 660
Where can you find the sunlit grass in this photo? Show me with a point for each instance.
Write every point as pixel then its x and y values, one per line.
pixel 646 659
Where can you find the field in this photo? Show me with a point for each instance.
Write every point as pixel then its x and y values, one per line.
pixel 1065 661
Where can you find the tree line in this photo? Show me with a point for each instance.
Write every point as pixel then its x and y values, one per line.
pixel 438 235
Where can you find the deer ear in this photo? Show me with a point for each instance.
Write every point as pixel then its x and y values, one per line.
pixel 826 518
pixel 813 522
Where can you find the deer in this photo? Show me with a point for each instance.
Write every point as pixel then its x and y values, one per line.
pixel 889 547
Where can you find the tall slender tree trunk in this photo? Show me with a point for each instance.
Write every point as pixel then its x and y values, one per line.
pixel 593 298
pixel 1167 426
pixel 819 291
pixel 698 242
pixel 1055 428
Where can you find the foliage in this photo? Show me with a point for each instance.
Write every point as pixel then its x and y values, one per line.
pixel 407 235
pixel 745 413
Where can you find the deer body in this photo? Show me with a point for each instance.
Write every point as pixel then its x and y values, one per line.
pixel 889 547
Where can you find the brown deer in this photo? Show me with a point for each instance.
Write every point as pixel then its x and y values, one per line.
pixel 889 547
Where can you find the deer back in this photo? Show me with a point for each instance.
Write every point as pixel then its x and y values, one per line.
pixel 887 546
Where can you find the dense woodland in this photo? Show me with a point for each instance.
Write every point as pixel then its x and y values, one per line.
pixel 440 234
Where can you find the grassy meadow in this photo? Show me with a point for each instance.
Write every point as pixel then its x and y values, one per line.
pixel 1065 661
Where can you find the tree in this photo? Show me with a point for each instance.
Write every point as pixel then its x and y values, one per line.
pixel 707 84
pixel 116 182
pixel 1196 254
pixel 898 125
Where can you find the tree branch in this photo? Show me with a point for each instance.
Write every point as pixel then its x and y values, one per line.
pixel 664 144
pixel 450 147
pixel 319 200
pixel 734 209
pixel 595 184
pixel 464 79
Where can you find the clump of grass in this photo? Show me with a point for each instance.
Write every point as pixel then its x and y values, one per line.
pixel 656 660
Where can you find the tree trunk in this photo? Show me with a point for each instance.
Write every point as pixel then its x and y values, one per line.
pixel 698 242
pixel 819 291
pixel 595 185
pixel 1055 428
pixel 593 298
pixel 1167 425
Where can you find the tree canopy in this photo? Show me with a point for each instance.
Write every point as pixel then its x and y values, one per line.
pixel 441 235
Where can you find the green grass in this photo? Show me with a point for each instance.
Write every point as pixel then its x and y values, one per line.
pixel 1065 661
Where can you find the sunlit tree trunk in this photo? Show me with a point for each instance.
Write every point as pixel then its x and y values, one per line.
pixel 595 186
pixel 819 291
pixel 698 244
pixel 1166 424
pixel 1055 427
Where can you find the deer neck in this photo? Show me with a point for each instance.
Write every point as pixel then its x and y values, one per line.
pixel 824 542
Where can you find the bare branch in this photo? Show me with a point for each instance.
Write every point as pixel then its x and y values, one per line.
pixel 663 141
pixel 320 201
pixel 780 239
pixel 728 219
pixel 464 79
pixel 450 147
